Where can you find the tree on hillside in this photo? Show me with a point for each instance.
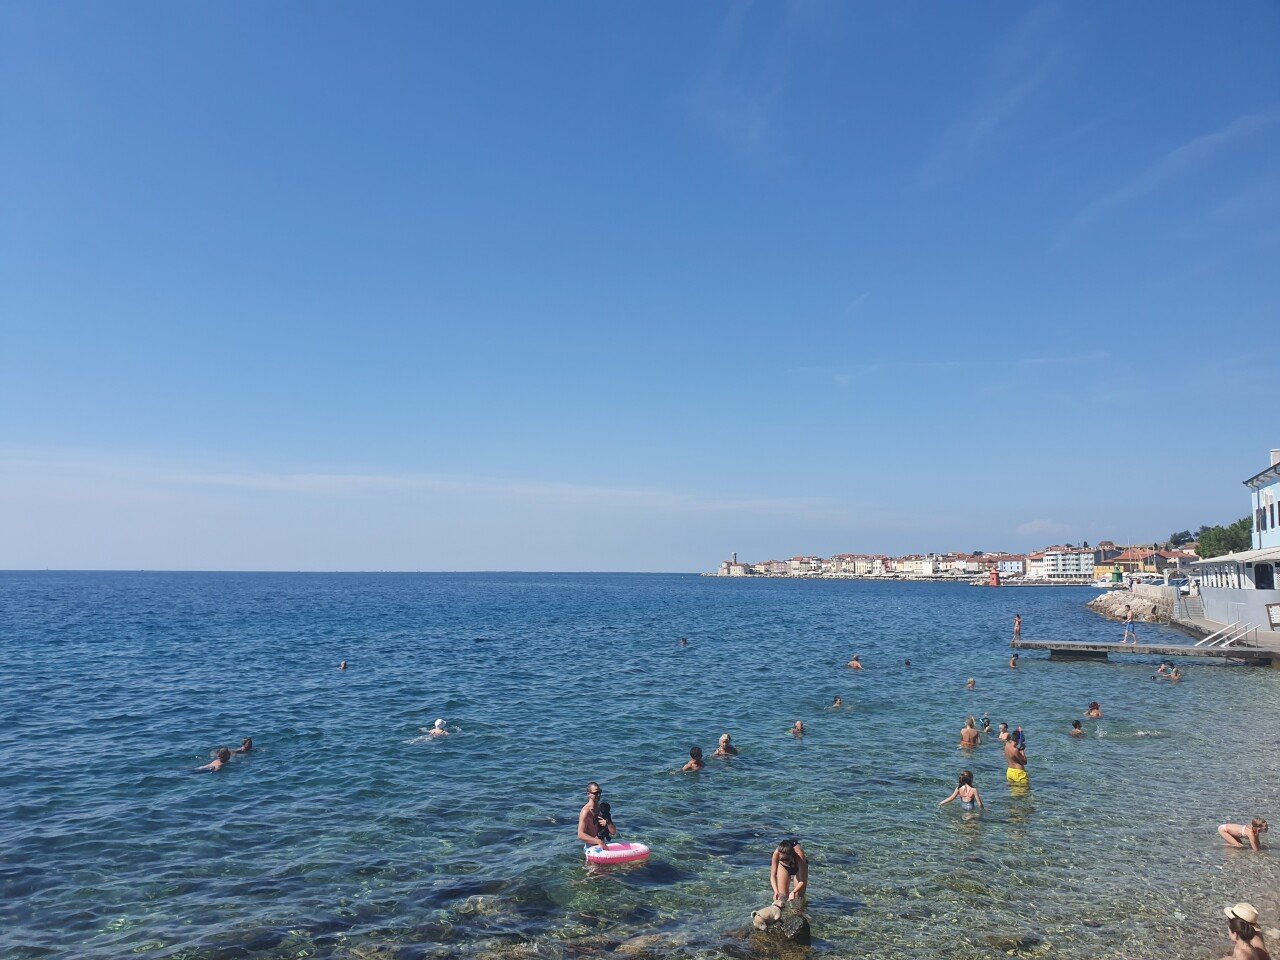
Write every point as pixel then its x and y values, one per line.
pixel 1181 538
pixel 1215 541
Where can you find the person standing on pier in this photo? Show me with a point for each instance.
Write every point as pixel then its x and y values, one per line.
pixel 1017 626
pixel 1130 635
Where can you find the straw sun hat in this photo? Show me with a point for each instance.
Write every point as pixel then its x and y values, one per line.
pixel 1243 911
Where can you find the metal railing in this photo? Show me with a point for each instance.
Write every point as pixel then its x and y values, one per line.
pixel 1231 635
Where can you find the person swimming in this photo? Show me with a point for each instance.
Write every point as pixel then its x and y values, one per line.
pixel 1013 662
pixel 245 745
pixel 342 665
pixel 438 730
pixel 836 704
pixel 1004 731
pixel 971 684
pixel 220 759
pixel 986 725
pixel 695 763
pixel 1076 730
pixel 907 664
pixel 965 792
pixel 798 729
pixel 725 747
pixel 855 663
pixel 1095 710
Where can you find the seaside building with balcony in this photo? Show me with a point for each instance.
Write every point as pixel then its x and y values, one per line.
pixel 1068 564
pixel 1240 588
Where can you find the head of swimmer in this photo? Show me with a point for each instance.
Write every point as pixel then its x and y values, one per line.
pixel 224 754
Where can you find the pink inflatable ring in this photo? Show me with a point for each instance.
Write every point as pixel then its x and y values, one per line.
pixel 618 853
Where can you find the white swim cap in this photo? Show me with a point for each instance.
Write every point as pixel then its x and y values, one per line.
pixel 439 724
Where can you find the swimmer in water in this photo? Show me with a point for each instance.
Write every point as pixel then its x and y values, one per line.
pixel 1013 662
pixel 245 745
pixel 971 684
pixel 798 729
pixel 342 665
pixel 684 641
pixel 969 736
pixel 836 704
pixel 726 747
pixel 1162 670
pixel 1241 834
pixel 1004 732
pixel 855 663
pixel 1076 730
pixel 986 725
pixel 220 760
pixel 695 761
pixel 438 730
pixel 965 792
pixel 1175 676
pixel 1095 710
pixel 907 664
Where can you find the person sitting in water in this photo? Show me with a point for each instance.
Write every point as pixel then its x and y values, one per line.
pixel 788 872
pixel 986 725
pixel 1095 710
pixel 695 761
pixel 1076 729
pixel 1016 763
pixel 798 729
pixel 590 823
pixel 220 759
pixel 725 747
pixel 245 745
pixel 836 704
pixel 1243 929
pixel 971 684
pixel 969 736
pixel 438 730
pixel 1004 732
pixel 1240 834
pixel 855 663
pixel 965 792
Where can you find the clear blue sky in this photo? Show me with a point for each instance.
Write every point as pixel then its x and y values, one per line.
pixel 627 287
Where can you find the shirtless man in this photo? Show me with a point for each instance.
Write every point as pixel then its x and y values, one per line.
pixel 590 823
pixel 246 746
pixel 855 663
pixel 220 760
pixel 969 736
pixel 1013 662
pixel 1016 761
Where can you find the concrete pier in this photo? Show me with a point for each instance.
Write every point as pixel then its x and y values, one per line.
pixel 1084 650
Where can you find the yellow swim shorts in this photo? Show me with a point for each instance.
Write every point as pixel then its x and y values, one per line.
pixel 1016 776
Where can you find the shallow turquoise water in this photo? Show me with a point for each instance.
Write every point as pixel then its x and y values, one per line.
pixel 346 835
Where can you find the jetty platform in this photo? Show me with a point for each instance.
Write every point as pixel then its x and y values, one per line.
pixel 1088 650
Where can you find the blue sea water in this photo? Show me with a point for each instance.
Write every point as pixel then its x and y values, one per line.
pixel 346 833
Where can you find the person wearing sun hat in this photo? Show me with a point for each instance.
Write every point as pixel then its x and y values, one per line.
pixel 1242 927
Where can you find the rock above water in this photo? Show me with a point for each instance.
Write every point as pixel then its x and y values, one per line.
pixel 1111 605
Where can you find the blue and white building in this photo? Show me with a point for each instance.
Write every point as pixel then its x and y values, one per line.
pixel 1241 587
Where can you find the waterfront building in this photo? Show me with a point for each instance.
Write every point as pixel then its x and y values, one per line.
pixel 1241 587
pixel 804 566
pixel 732 568
pixel 1035 566
pixel 1011 565
pixel 1066 564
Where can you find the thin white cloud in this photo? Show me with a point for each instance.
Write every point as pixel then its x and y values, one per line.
pixel 352 485
pixel 1171 167
pixel 846 375
pixel 1011 77
pixel 1042 528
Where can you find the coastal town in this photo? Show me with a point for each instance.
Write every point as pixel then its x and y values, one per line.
pixel 1061 564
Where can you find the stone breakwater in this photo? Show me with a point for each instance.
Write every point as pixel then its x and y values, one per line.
pixel 1112 605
